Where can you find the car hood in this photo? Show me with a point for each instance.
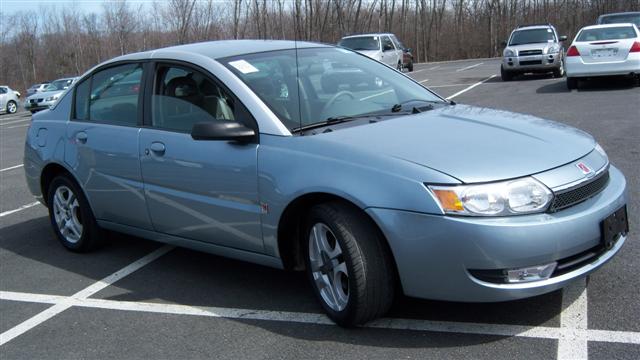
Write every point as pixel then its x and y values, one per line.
pixel 536 46
pixel 471 144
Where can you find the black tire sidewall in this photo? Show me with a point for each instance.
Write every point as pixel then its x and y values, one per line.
pixel 88 240
pixel 317 216
pixel 7 107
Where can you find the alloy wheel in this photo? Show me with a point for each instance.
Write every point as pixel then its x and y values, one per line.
pixel 328 267
pixel 12 107
pixel 67 215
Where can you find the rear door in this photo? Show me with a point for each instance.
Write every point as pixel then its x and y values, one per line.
pixel 3 98
pixel 202 190
pixel 102 144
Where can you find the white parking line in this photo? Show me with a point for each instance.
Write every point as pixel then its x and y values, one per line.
pixel 435 67
pixel 9 212
pixel 83 294
pixel 471 87
pixel 574 316
pixel 423 81
pixel 17 126
pixel 11 168
pixel 541 332
pixel 416 71
pixel 469 67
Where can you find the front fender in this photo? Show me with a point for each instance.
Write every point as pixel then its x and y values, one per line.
pixel 292 166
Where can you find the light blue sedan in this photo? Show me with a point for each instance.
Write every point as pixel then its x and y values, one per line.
pixel 312 157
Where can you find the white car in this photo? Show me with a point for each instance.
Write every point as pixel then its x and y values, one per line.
pixel 385 48
pixel 603 50
pixel 8 100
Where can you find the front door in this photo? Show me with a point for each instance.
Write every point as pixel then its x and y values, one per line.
pixel 390 55
pixel 199 190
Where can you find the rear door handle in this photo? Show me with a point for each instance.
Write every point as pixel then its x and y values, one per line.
pixel 81 137
pixel 157 148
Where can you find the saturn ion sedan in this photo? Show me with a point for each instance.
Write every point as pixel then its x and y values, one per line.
pixel 310 157
pixel 603 50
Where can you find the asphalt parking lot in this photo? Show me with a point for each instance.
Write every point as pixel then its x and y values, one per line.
pixel 139 299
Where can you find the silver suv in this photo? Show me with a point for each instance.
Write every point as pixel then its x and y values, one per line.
pixel 533 48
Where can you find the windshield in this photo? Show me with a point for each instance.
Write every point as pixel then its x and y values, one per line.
pixel 333 83
pixel 361 43
pixel 532 36
pixel 622 18
pixel 59 85
pixel 609 33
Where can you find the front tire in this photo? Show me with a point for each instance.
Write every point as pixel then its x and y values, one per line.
pixel 71 217
pixel 410 67
pixel 12 107
pixel 505 75
pixel 348 264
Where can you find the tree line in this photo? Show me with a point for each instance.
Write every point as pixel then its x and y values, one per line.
pixel 64 41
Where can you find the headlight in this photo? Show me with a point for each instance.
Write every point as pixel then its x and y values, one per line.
pixel 601 151
pixel 509 53
pixel 553 49
pixel 513 197
pixel 52 98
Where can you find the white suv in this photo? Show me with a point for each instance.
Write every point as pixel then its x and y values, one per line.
pixel 385 48
pixel 533 48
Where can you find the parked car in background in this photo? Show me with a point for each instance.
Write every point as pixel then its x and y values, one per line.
pixel 603 50
pixel 8 100
pixel 44 99
pixel 36 88
pixel 238 148
pixel 383 47
pixel 533 49
pixel 617 18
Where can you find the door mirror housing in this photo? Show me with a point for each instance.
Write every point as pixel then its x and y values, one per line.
pixel 563 38
pixel 503 43
pixel 387 47
pixel 222 130
pixel 407 50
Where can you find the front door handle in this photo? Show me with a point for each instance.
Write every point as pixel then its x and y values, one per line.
pixel 81 137
pixel 157 148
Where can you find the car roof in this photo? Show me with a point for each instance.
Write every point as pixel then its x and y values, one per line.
pixel 621 13
pixel 603 26
pixel 366 35
pixel 222 48
pixel 530 27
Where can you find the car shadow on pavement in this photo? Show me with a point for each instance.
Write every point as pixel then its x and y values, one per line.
pixel 198 279
pixel 596 84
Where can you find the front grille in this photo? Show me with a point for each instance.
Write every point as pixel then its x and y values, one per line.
pixel 32 101
pixel 531 62
pixel 583 192
pixel 529 52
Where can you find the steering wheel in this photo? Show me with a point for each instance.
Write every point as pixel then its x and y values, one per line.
pixel 334 98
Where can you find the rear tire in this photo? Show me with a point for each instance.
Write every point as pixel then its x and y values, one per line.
pixel 12 107
pixel 71 217
pixel 505 75
pixel 410 66
pixel 572 83
pixel 348 264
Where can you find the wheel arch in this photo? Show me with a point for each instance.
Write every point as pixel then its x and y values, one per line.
pixel 50 172
pixel 290 228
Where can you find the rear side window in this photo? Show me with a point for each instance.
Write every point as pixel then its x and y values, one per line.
pixel 110 96
pixel 184 96
pixel 3 91
pixel 609 33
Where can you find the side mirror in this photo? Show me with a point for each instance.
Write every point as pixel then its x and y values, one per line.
pixel 407 50
pixel 222 130
pixel 503 43
pixel 563 38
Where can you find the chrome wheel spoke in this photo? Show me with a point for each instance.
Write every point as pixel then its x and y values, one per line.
pixel 328 268
pixel 66 210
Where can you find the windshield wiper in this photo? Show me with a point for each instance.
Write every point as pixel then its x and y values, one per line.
pixel 342 119
pixel 398 107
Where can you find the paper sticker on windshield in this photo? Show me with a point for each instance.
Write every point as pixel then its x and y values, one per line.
pixel 549 30
pixel 243 66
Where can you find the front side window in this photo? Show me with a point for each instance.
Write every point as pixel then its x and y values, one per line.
pixel 110 96
pixel 532 36
pixel 183 97
pixel 318 84
pixel 3 90
pixel 387 44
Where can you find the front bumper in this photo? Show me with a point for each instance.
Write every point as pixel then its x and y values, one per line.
pixel 532 63
pixel 435 253
pixel 576 67
pixel 38 105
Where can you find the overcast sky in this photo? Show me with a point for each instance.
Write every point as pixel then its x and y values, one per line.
pixel 11 6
